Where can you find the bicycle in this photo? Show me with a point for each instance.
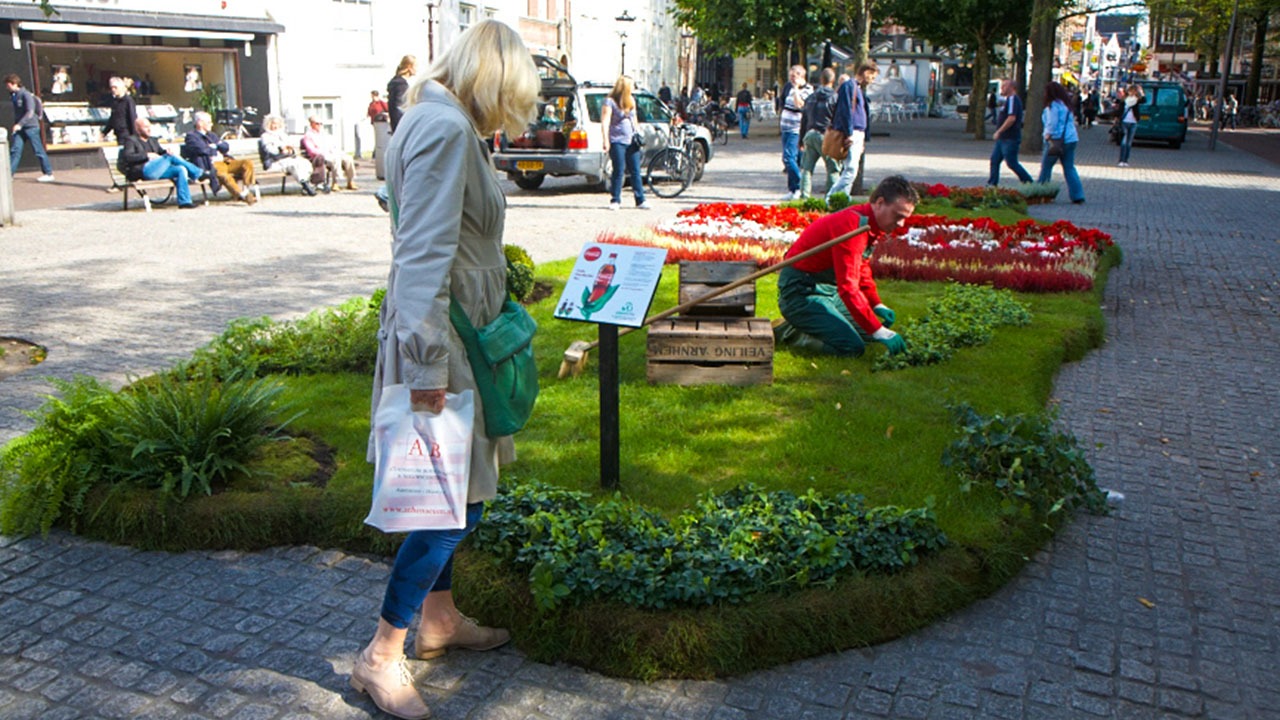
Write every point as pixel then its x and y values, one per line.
pixel 672 169
pixel 232 121
pixel 712 117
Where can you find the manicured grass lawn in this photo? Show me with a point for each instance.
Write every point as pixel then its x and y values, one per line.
pixel 825 423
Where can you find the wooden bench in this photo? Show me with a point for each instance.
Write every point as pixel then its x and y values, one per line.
pixel 144 187
pixel 247 149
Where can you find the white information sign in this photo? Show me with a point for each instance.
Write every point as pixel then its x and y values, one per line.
pixel 611 284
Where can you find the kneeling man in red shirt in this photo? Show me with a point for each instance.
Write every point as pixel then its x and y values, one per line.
pixel 829 301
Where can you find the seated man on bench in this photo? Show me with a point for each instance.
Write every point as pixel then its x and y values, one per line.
pixel 202 147
pixel 316 143
pixel 142 158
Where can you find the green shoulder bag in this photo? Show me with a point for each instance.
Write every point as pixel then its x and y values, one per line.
pixel 501 357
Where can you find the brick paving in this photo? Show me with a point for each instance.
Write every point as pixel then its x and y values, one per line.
pixel 1179 406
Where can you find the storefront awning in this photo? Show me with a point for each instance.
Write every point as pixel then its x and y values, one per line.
pixel 122 22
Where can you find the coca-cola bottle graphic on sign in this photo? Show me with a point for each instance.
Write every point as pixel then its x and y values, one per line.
pixel 602 289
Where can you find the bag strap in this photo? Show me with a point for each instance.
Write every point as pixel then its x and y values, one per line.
pixel 460 321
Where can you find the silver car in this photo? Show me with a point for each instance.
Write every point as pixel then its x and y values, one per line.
pixel 565 141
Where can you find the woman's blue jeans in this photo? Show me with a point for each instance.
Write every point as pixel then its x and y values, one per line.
pixel 424 564
pixel 1126 141
pixel 622 156
pixel 744 120
pixel 1075 189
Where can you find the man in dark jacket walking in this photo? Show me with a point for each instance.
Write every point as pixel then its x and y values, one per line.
pixel 26 128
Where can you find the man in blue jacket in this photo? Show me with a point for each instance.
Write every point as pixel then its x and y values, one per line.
pixel 208 152
pixel 850 118
pixel 26 127
pixel 1008 135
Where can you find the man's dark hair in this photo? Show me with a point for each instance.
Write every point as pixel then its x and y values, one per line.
pixel 895 188
pixel 13 78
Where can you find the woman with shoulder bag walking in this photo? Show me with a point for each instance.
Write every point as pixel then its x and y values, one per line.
pixel 1060 140
pixel 622 137
pixel 447 214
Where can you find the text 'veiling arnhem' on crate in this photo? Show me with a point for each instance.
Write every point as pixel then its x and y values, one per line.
pixel 699 278
pixel 710 351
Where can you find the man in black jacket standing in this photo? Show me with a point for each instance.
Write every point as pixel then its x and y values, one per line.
pixel 124 112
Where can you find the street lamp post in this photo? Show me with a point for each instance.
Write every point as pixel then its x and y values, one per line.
pixel 625 17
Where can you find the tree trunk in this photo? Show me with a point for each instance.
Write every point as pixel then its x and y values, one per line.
pixel 1260 27
pixel 780 66
pixel 861 29
pixel 1044 28
pixel 978 95
pixel 1017 69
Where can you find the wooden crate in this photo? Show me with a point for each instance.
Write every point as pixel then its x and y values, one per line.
pixel 710 351
pixel 700 278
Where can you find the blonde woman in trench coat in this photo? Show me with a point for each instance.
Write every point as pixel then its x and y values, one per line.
pixel 447 222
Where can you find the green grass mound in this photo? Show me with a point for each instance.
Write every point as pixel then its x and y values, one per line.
pixel 838 507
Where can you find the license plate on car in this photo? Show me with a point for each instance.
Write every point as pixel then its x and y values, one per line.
pixel 528 165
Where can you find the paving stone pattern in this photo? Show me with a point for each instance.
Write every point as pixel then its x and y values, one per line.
pixel 1179 406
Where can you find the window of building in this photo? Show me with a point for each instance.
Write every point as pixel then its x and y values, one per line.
pixel 353 26
pixel 1173 33
pixel 466 16
pixel 326 110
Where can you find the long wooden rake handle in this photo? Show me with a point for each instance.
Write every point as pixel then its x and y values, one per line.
pixel 733 285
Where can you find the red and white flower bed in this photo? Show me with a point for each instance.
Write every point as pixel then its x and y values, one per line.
pixel 1026 256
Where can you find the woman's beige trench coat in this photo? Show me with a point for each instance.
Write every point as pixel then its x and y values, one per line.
pixel 447 223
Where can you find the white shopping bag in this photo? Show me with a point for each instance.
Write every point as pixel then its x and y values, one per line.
pixel 422 463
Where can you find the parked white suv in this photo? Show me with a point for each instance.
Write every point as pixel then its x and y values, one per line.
pixel 564 140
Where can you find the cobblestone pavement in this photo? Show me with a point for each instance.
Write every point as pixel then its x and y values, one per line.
pixel 1180 404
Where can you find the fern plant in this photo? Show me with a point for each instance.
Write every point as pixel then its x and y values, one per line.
pixel 189 436
pixel 49 471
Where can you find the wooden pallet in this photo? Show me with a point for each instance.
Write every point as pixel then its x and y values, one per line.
pixel 710 351
pixel 700 278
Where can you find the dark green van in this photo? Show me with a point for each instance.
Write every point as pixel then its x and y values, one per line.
pixel 1164 113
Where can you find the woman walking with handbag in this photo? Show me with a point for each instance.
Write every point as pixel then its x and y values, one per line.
pixel 447 213
pixel 1060 140
pixel 622 137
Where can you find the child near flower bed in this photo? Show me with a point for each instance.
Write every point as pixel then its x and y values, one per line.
pixel 829 301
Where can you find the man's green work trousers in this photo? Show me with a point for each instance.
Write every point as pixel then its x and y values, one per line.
pixel 810 303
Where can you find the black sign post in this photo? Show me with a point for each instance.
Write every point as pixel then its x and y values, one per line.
pixel 611 286
pixel 609 422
